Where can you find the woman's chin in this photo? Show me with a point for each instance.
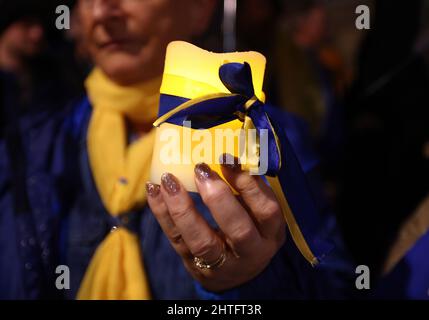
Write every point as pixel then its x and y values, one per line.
pixel 126 70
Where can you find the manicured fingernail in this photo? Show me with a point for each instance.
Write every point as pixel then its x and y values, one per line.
pixel 203 172
pixel 152 189
pixel 170 183
pixel 230 161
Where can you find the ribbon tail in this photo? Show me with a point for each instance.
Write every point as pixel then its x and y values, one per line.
pixel 293 226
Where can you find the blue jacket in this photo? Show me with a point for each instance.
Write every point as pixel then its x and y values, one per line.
pixel 66 221
pixel 31 194
pixel 410 277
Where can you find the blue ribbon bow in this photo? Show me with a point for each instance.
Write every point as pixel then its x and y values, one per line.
pixel 237 78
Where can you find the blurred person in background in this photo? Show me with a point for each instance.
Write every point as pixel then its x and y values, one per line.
pixel 34 91
pixel 305 74
pixel 30 53
pixel 77 44
pixel 310 79
pixel 384 211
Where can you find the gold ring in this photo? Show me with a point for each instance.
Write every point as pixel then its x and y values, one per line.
pixel 202 264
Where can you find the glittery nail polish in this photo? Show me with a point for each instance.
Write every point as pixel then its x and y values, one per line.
pixel 170 183
pixel 203 172
pixel 152 189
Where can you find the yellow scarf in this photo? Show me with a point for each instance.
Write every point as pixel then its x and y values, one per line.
pixel 120 172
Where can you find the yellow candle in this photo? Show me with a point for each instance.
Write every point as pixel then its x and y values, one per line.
pixel 186 63
pixel 191 72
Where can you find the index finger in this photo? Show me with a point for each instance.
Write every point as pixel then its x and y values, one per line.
pixel 201 239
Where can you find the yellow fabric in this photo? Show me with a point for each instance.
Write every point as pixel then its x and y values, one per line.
pixel 120 172
pixel 115 272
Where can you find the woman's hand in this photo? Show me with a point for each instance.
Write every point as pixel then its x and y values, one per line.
pixel 252 227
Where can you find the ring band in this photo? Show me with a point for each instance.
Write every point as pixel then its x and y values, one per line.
pixel 202 264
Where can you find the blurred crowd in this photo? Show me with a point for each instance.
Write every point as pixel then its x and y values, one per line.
pixel 362 94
